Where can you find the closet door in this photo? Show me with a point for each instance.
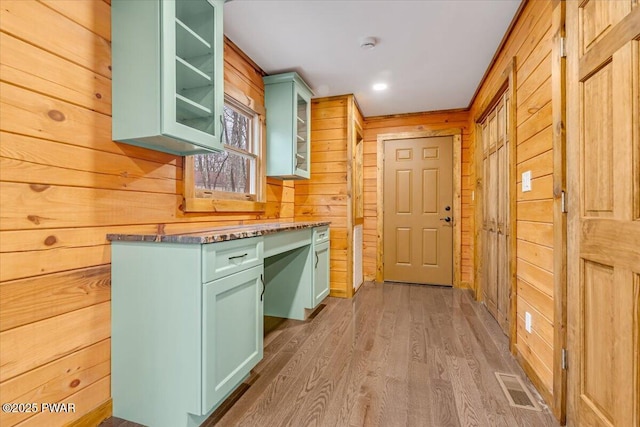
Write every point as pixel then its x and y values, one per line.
pixel 603 258
pixel 496 226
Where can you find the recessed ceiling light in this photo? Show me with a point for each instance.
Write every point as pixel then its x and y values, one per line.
pixel 379 86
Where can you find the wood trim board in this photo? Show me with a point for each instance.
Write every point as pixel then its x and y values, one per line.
pixel 558 111
pixel 94 417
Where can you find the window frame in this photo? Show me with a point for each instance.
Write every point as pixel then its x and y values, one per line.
pixel 221 201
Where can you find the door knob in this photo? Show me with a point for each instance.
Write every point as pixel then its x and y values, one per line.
pixel 446 219
pixel 447 208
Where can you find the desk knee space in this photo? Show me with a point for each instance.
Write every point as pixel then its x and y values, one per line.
pixel 290 270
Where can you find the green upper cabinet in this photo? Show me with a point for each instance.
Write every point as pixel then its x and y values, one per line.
pixel 167 58
pixel 288 103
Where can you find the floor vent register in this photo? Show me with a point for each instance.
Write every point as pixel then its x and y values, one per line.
pixel 516 392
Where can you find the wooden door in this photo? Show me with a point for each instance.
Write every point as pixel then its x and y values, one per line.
pixel 418 210
pixel 603 258
pixel 496 227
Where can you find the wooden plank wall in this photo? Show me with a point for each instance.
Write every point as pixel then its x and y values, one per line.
pixel 374 126
pixel 531 43
pixel 64 185
pixel 325 195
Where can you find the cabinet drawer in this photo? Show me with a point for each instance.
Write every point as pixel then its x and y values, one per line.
pixel 278 243
pixel 222 259
pixel 321 234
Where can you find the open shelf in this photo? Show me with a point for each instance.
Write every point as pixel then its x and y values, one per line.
pixel 189 110
pixel 189 77
pixel 195 17
pixel 204 63
pixel 194 65
pixel 301 161
pixel 188 43
pixel 199 95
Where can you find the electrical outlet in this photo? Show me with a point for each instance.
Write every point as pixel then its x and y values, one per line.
pixel 526 181
pixel 527 321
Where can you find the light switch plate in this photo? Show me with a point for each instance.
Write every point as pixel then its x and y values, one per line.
pixel 526 181
pixel 527 321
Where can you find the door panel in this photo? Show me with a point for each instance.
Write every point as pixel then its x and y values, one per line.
pixel 599 313
pixel 403 190
pixel 598 18
pixel 430 191
pixel 598 153
pixel 403 246
pixel 418 186
pixel 604 228
pixel 503 283
pixel 430 246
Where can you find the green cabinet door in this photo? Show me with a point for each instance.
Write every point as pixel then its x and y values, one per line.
pixel 321 272
pixel 232 332
pixel 167 58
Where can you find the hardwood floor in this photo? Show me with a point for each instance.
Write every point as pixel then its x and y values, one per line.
pixel 395 355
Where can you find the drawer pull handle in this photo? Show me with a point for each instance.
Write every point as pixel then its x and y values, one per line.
pixel 238 256
pixel 263 287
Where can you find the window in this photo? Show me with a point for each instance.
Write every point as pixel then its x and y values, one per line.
pixel 229 180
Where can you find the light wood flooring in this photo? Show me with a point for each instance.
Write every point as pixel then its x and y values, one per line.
pixel 395 355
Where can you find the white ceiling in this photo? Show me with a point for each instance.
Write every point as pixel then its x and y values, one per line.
pixel 431 53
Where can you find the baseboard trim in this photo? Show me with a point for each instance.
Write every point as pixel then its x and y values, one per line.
pixel 94 417
pixel 338 293
pixel 535 379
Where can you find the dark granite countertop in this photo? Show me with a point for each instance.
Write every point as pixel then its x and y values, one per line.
pixel 218 234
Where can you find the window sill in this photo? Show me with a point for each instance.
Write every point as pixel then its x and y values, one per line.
pixel 220 205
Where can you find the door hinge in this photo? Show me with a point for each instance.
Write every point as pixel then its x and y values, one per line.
pixel 563 201
pixel 564 362
pixel 563 47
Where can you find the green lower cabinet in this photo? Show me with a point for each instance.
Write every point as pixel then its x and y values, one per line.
pixel 321 273
pixel 187 319
pixel 232 332
pixel 181 344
